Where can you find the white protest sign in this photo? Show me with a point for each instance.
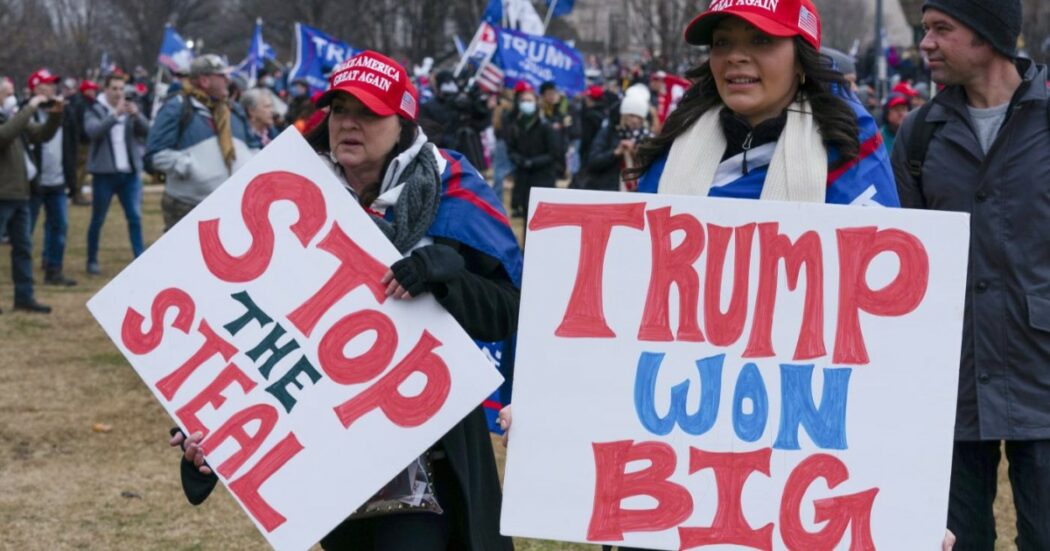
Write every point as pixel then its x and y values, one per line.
pixel 261 320
pixel 730 374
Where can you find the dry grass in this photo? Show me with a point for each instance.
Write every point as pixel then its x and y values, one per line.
pixel 63 486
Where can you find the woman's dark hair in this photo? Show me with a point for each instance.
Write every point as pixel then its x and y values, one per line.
pixel 835 120
pixel 318 140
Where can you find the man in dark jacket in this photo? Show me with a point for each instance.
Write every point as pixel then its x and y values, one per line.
pixel 14 192
pixel 989 156
pixel 534 148
pixel 56 165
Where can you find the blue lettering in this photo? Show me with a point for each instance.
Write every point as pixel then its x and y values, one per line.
pixel 710 370
pixel 749 385
pixel 826 425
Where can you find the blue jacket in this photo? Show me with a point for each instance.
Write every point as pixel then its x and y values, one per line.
pixel 867 180
pixel 188 152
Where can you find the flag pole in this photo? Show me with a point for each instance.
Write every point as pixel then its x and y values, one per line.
pixel 466 53
pixel 550 14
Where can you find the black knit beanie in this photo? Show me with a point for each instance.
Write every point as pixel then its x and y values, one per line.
pixel 996 21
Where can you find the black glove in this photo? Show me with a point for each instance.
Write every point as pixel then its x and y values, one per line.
pixel 527 164
pixel 427 267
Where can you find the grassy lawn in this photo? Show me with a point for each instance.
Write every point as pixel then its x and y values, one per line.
pixel 64 485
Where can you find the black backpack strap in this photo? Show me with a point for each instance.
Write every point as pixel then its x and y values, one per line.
pixel 185 116
pixel 919 142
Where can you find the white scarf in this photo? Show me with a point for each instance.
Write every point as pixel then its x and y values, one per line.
pixel 696 154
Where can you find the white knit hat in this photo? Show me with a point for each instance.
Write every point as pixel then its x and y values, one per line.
pixel 634 104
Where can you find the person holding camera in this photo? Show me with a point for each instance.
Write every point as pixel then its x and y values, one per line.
pixel 14 190
pixel 456 117
pixel 55 161
pixel 117 130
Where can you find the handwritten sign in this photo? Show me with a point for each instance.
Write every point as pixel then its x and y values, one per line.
pixel 260 320
pixel 715 373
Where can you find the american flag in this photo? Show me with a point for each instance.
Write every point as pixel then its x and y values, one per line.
pixel 490 78
pixel 482 50
pixel 808 23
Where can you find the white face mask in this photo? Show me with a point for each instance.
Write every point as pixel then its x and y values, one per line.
pixel 527 107
pixel 449 87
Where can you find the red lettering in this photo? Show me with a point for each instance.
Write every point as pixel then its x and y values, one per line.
pixel 370 364
pixel 857 248
pixel 246 488
pixel 806 251
pixel 356 268
pixel 404 411
pixel 213 344
pixel 234 427
pixel 262 192
pixel 584 315
pixel 729 526
pixel 212 394
pixel 613 484
pixel 673 265
pixel 852 510
pixel 725 329
pixel 139 342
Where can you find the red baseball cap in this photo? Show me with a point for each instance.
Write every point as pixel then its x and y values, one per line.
pixel 379 82
pixel 86 85
pixel 780 18
pixel 41 76
pixel 906 89
pixel 522 86
pixel 595 91
pixel 896 99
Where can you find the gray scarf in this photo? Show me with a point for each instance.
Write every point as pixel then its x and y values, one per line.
pixel 417 205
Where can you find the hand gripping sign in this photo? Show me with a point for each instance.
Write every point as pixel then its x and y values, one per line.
pixel 260 321
pixel 727 374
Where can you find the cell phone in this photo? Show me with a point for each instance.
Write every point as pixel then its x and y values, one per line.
pixel 47 104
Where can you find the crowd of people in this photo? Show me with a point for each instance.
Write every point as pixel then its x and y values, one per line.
pixel 768 114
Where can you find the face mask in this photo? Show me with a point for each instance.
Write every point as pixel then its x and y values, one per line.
pixel 268 82
pixel 449 87
pixel 527 107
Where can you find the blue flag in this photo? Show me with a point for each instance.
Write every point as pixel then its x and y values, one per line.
pixel 493 12
pixel 538 59
pixel 174 53
pixel 258 52
pixel 316 54
pixel 563 7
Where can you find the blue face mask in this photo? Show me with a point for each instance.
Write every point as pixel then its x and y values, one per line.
pixel 527 107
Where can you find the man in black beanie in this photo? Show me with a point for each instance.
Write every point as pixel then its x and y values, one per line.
pixel 982 146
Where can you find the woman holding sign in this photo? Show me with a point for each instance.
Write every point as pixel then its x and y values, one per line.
pixel 438 211
pixel 767 117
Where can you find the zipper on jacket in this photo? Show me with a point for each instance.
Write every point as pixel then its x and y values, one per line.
pixel 747 147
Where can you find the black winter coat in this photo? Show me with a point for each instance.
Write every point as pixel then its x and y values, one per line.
pixel 536 151
pixel 603 166
pixel 1004 377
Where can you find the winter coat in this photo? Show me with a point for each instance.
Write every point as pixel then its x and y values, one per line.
pixel 70 143
pixel 1004 376
pixel 98 122
pixel 535 149
pixel 603 166
pixel 189 153
pixel 14 183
